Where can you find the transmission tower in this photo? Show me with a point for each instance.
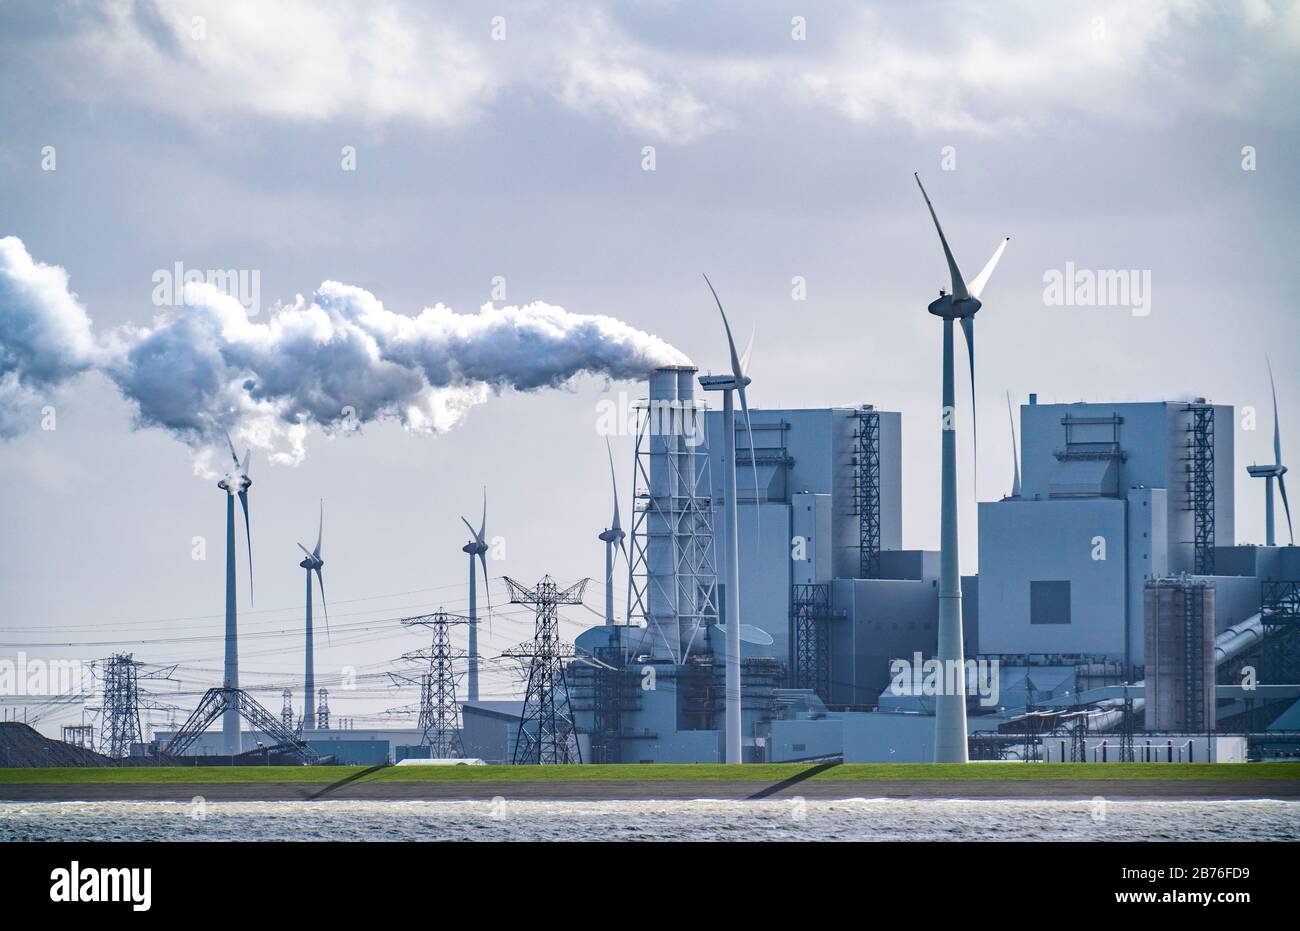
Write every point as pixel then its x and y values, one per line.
pixel 439 710
pixel 1127 724
pixel 547 733
pixel 286 710
pixel 120 721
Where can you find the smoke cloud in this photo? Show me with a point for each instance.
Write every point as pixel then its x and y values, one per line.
pixel 335 361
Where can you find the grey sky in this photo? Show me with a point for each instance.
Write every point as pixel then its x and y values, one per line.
pixel 1105 135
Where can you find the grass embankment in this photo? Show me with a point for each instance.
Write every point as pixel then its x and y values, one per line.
pixel 649 772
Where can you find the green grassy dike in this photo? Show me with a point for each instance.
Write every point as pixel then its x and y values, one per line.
pixel 649 772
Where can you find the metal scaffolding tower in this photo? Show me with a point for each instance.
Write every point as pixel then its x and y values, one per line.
pixel 1194 656
pixel 866 486
pixel 1200 484
pixel 323 710
pixel 613 690
pixel 286 709
pixel 439 718
pixel 811 611
pixel 673 578
pixel 547 733
pixel 1280 615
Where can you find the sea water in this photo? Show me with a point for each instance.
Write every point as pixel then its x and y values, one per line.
pixel 788 819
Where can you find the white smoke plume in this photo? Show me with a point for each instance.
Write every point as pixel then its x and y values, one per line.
pixel 335 361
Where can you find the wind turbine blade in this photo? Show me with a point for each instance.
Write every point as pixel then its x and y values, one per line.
pixel 248 537
pixel 231 444
pixel 487 590
pixel 320 530
pixel 243 468
pixel 320 580
pixel 305 550
pixel 482 525
pixel 614 482
pixel 977 286
pixel 1277 435
pixel 1015 454
pixel 1286 506
pixel 749 348
pixel 958 283
pixel 736 369
pixel 968 328
pixel 753 456
pixel 469 527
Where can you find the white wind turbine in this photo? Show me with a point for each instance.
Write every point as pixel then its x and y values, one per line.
pixel 477 549
pixel 950 740
pixel 312 562
pixel 1274 471
pixel 613 540
pixel 735 383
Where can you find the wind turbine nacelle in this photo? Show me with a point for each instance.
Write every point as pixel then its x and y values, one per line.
pixel 611 536
pixel 474 549
pixel 1265 471
pixel 311 563
pixel 723 382
pixel 948 307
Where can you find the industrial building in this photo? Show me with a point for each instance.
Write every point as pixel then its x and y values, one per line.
pixel 1110 591
pixel 1112 617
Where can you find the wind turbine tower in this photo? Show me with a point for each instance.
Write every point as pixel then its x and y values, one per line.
pixel 476 549
pixel 950 740
pixel 735 383
pixel 1270 472
pixel 235 484
pixel 312 562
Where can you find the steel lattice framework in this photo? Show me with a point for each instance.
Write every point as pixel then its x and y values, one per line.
pixel 121 721
pixel 1280 615
pixel 286 709
pixel 1194 655
pixel 547 732
pixel 811 608
pixel 1200 485
pixel 611 684
pixel 866 486
pixel 120 713
pixel 679 516
pixel 215 703
pixel 439 718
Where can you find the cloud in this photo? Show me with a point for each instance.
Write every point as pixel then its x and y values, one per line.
pixel 45 334
pixel 335 361
pixel 1022 67
pixel 655 71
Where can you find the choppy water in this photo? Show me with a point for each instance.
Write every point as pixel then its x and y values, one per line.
pixel 773 820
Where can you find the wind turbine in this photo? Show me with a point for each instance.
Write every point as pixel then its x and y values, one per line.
pixel 735 383
pixel 1015 453
pixel 613 540
pixel 476 547
pixel 313 563
pixel 962 304
pixel 235 484
pixel 1274 471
